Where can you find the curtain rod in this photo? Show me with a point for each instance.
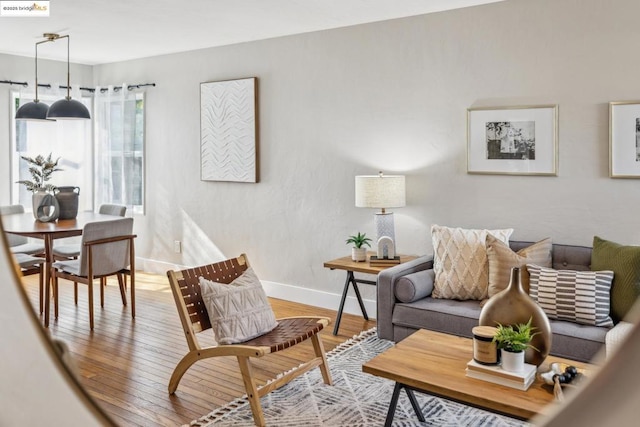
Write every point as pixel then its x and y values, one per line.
pixel 104 89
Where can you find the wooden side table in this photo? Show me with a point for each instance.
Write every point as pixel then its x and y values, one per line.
pixel 351 267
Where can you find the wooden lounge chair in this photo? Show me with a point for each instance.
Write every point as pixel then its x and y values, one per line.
pixel 194 317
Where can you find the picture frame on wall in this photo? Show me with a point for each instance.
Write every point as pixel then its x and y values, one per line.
pixel 228 130
pixel 624 139
pixel 520 140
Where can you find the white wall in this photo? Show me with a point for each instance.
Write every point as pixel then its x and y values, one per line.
pixel 391 96
pixel 386 96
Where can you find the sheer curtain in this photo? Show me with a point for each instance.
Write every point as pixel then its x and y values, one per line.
pixel 119 147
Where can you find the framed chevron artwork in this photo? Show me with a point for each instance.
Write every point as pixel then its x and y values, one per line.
pixel 228 131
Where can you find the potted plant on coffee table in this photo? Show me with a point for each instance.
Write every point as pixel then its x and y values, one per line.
pixel 45 205
pixel 359 252
pixel 513 340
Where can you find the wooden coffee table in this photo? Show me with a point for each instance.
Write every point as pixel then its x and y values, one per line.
pixel 434 363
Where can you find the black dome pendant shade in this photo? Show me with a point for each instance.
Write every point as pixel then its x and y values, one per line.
pixel 68 109
pixel 34 110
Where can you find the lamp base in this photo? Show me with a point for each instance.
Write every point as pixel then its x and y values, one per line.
pixel 385 226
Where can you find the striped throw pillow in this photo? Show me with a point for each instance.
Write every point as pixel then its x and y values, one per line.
pixel 576 296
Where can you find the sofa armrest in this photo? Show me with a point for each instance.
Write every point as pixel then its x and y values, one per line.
pixel 386 298
pixel 615 336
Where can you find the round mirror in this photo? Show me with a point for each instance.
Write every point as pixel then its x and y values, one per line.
pixel 36 388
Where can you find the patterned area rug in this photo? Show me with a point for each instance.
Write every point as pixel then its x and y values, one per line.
pixel 355 399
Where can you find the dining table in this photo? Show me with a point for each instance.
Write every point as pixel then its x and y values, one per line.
pixel 26 225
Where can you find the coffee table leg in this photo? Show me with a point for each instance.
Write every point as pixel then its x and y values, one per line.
pixel 392 406
pixel 344 298
pixel 414 403
pixel 394 403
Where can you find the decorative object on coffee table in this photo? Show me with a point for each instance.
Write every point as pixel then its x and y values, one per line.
pixel 359 241
pixel 68 200
pixel 485 350
pixel 513 306
pixel 512 341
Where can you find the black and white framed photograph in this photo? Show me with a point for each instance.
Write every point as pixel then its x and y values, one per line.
pixel 513 140
pixel 624 139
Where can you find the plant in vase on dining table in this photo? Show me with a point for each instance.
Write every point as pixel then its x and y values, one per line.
pixel 45 205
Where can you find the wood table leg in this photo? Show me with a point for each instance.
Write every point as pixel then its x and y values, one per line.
pixel 48 256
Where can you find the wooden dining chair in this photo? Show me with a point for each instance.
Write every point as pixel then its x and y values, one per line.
pixel 195 319
pixel 107 249
pixel 20 244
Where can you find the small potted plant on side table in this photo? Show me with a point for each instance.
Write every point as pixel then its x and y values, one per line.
pixel 512 341
pixel 359 252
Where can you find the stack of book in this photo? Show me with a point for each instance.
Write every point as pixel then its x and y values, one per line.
pixel 495 374
pixel 385 262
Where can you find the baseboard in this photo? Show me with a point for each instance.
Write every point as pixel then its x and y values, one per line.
pixel 281 291
pixel 318 298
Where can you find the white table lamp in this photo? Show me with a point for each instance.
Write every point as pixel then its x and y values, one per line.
pixel 383 192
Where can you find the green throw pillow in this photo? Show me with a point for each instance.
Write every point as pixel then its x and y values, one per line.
pixel 625 263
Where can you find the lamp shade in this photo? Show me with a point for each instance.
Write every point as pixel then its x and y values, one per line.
pixel 68 108
pixel 380 191
pixel 35 110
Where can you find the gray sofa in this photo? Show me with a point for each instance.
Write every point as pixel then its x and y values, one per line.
pixel 412 282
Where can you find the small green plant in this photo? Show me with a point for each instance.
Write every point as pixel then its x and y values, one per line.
pixel 40 169
pixel 515 338
pixel 359 240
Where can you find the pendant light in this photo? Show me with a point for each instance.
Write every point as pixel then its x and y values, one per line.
pixel 35 110
pixel 66 108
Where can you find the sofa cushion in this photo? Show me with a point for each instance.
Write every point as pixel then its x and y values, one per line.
pixel 625 263
pixel 577 296
pixel 575 341
pixel 414 286
pixel 440 315
pixel 502 259
pixel 460 262
pixel 238 311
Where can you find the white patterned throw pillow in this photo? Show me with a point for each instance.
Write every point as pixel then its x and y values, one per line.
pixel 460 262
pixel 576 296
pixel 238 311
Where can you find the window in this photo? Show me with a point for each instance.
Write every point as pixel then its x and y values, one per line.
pixel 70 140
pixel 119 138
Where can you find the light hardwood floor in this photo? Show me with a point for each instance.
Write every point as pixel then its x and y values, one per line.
pixel 126 364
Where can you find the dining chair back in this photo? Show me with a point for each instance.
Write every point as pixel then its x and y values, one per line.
pixel 107 249
pixel 108 209
pixel 109 257
pixel 71 251
pixel 20 244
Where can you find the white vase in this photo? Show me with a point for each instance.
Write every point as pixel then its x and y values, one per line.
pixel 512 361
pixel 359 254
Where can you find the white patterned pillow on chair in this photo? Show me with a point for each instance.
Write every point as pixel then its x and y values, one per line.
pixel 576 296
pixel 460 262
pixel 238 311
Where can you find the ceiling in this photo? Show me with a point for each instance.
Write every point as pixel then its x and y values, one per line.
pixel 119 30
